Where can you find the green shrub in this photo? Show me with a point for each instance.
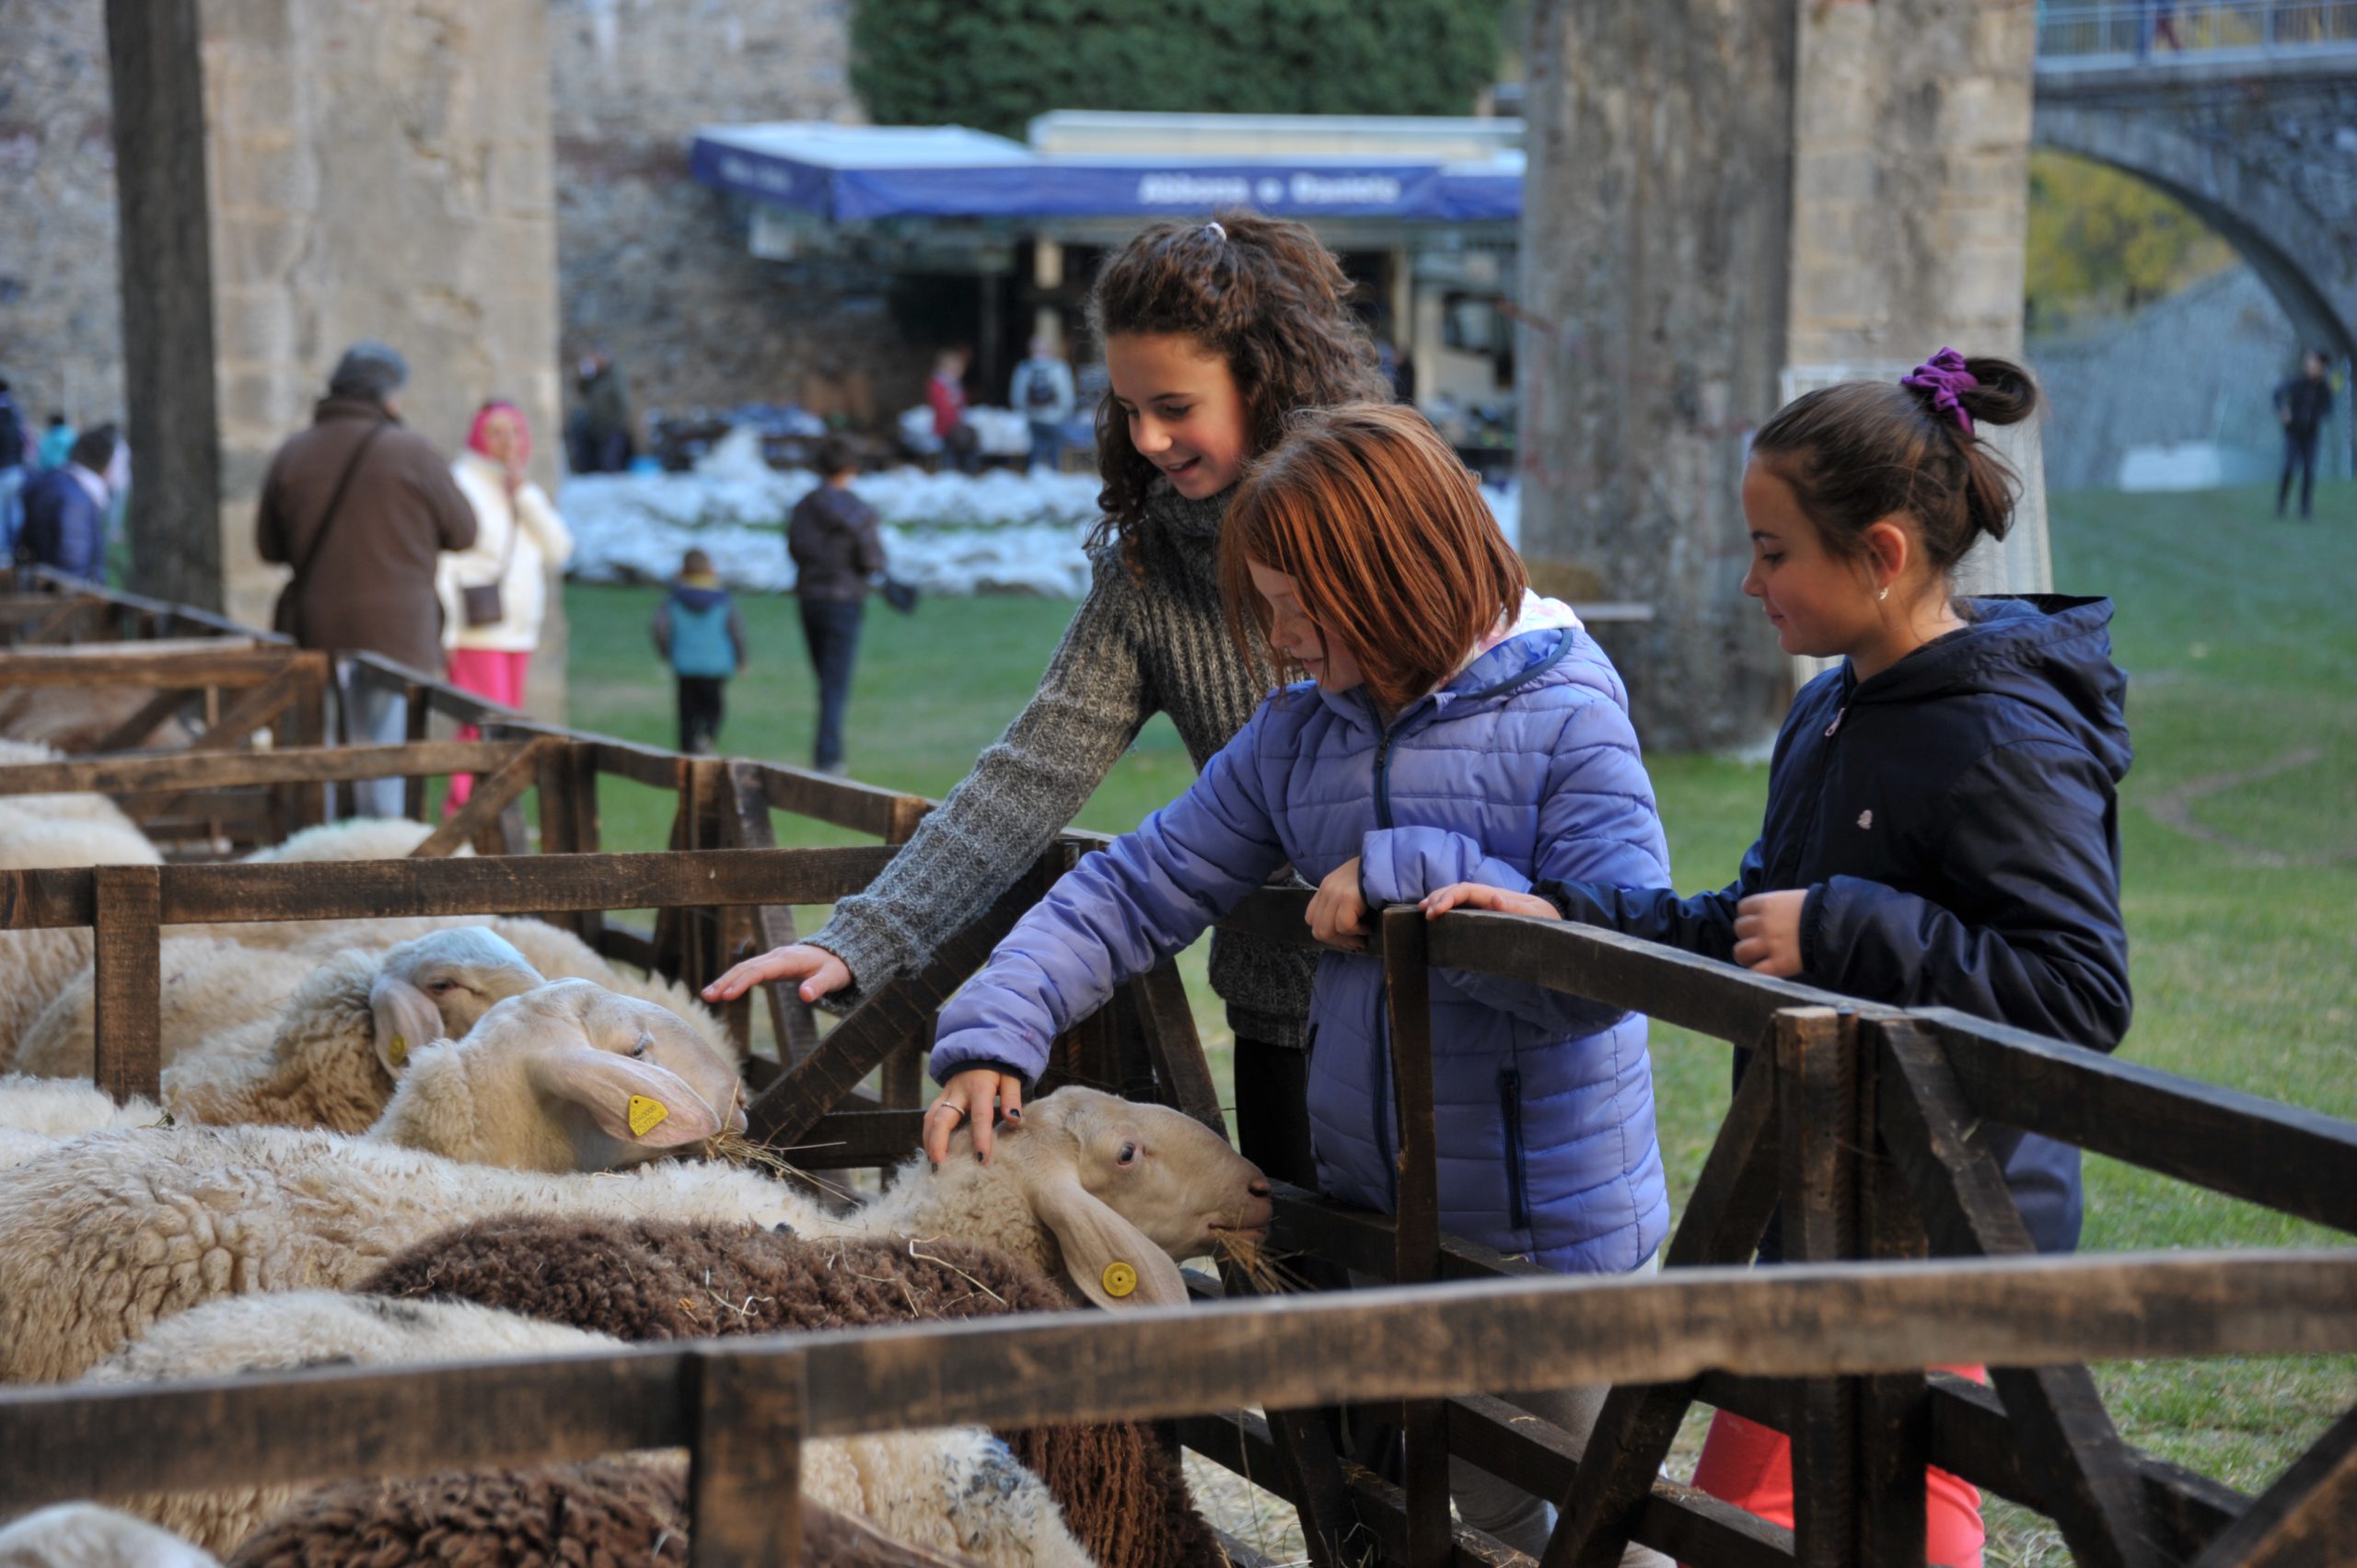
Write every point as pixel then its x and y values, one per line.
pixel 995 63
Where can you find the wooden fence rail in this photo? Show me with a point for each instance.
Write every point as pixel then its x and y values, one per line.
pixel 1421 1344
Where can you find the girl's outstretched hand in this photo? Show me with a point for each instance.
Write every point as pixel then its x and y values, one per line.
pixel 1478 895
pixel 1337 913
pixel 818 970
pixel 1768 932
pixel 973 1098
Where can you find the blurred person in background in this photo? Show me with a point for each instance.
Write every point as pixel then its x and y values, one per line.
pixel 1041 391
pixel 360 507
pixel 64 510
pixel 16 456
pixel 2302 405
pixel 495 593
pixel 837 549
pixel 946 395
pixel 55 442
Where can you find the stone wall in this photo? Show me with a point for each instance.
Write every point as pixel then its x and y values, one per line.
pixel 60 319
pixel 377 171
pixel 655 267
pixel 1911 215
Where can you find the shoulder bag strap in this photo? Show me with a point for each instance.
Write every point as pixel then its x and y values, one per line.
pixel 327 519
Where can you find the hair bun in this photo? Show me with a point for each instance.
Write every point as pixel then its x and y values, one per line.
pixel 2005 395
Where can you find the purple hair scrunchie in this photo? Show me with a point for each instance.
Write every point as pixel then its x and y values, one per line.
pixel 1944 375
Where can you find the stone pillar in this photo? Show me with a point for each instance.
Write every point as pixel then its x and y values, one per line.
pixel 167 286
pixel 1654 288
pixel 1910 214
pixel 378 171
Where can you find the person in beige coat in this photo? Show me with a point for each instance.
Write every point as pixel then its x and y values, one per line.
pixel 488 646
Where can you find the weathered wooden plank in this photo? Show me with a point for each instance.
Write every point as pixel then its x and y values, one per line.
pixel 1385 1510
pixel 1639 1422
pixel 225 769
pixel 142 724
pixel 890 1017
pixel 490 796
pixel 889 815
pixel 1718 999
pixel 1817 1100
pixel 841 1140
pixel 1180 1069
pixel 2307 1519
pixel 640 764
pixel 193 661
pixel 1142 1365
pixel 1408 1015
pixel 1892 1415
pixel 127 901
pixel 2058 1417
pixel 1542 1458
pixel 1362 1241
pixel 520 884
pixel 1256 1449
pixel 791 1021
pixel 2299 1161
pixel 79 1440
pixel 745 1476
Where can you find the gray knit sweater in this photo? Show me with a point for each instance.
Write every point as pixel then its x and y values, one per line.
pixel 1135 649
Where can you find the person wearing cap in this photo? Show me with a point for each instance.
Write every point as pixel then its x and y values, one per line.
pixel 360 507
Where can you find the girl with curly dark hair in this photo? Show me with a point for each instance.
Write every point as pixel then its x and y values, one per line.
pixel 1213 333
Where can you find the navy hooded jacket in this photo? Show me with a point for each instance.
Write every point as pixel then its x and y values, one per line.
pixel 1956 821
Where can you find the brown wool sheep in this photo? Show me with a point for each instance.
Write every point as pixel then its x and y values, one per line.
pixel 1122 1494
pixel 604 1514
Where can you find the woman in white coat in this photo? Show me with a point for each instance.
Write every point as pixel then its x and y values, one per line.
pixel 487 637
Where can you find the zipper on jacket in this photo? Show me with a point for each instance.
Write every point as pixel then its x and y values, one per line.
pixel 1517 1179
pixel 1382 764
pixel 1838 715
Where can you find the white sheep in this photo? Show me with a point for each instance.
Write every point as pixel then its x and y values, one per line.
pixel 37 965
pixel 342 1041
pixel 102 1236
pixel 954 1490
pixel 81 805
pixel 326 1054
pixel 38 1113
pixel 85 1535
pixel 357 837
pixel 205 986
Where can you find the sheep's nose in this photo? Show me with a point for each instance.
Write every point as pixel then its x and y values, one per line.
pixel 1259 1187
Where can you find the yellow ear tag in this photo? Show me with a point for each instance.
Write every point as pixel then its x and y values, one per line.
pixel 398 1052
pixel 646 1115
pixel 1120 1279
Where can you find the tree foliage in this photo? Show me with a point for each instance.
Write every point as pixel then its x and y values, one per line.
pixel 2101 241
pixel 995 63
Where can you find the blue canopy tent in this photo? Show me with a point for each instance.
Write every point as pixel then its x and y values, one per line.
pixel 848 174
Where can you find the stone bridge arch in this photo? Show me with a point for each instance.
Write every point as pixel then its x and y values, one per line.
pixel 2266 156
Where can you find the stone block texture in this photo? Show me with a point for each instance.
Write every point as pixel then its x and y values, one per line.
pixel 61 320
pixel 656 268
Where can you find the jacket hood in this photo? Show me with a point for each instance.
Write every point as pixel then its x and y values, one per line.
pixel 1541 646
pixel 2050 652
pixel 696 599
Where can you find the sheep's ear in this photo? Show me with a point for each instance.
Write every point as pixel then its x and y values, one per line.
pixel 406 1022
pixel 633 1100
pixel 1110 1258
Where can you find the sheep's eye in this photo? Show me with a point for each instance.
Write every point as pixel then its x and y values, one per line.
pixel 640 1048
pixel 1129 1154
pixel 441 987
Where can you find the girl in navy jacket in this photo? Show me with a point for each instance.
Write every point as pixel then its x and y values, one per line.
pixel 1942 820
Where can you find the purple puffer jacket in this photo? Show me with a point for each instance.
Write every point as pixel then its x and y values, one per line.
pixel 1523 767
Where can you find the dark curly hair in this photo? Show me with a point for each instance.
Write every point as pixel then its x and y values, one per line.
pixel 1261 293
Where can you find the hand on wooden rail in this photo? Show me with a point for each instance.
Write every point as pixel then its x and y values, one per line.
pixel 1481 896
pixel 819 971
pixel 1338 911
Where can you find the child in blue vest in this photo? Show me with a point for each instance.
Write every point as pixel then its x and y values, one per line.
pixel 700 635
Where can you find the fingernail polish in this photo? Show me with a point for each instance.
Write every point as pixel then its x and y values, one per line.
pixel 1014 1113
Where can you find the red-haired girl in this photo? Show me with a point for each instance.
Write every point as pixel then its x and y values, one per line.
pixel 1454 726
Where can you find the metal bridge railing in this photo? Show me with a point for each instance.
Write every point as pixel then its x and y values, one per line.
pixel 2159 32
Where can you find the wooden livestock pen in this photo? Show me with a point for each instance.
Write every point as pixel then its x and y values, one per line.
pixel 1859 1122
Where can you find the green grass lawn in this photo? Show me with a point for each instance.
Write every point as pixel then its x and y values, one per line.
pixel 2239 822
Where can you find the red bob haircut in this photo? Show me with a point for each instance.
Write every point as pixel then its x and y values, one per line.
pixel 1387 537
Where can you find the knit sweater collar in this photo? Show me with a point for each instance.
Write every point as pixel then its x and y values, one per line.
pixel 1190 522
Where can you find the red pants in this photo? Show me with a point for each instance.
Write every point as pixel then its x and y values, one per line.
pixel 1751 1465
pixel 487 672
